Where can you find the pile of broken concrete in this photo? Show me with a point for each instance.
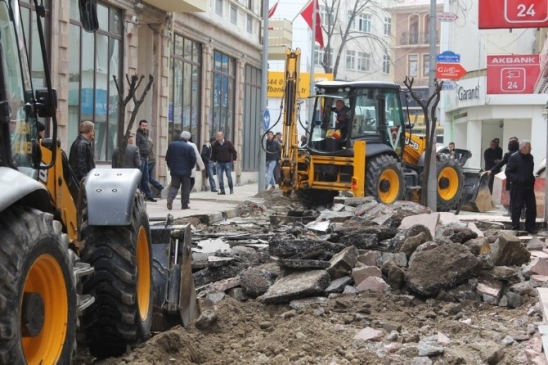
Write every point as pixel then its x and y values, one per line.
pixel 360 245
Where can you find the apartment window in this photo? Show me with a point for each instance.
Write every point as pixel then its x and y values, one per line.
pixel 413 65
pixel 250 4
pixel 185 86
pixel 351 19
pixel 249 23
pixel 326 15
pixel 350 60
pixel 386 64
pixel 222 110
pixel 364 61
pixel 364 23
pixel 251 108
pixel 319 55
pixel 425 65
pixel 233 14
pixel 414 29
pixel 95 59
pixel 387 26
pixel 219 7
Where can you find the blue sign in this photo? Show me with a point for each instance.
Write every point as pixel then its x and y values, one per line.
pixel 448 85
pixel 266 119
pixel 448 57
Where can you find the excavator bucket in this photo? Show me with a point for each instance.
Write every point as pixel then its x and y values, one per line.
pixel 476 197
pixel 174 297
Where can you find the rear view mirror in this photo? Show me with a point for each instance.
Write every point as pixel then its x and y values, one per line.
pixel 88 15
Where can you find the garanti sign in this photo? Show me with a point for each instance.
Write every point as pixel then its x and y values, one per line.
pixel 512 74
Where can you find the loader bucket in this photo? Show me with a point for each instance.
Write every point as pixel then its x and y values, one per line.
pixel 476 197
pixel 174 296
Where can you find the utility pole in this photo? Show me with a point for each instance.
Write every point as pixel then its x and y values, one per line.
pixel 312 66
pixel 264 80
pixel 432 193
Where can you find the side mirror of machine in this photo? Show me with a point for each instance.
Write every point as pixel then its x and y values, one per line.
pixel 45 105
pixel 88 15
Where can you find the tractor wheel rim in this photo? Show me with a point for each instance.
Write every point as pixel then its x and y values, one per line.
pixel 45 278
pixel 143 274
pixel 448 174
pixel 390 178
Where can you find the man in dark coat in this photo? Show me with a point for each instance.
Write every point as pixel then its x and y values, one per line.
pixel 132 158
pixel 223 154
pixel 81 158
pixel 207 151
pixel 143 145
pixel 181 159
pixel 273 151
pixel 513 146
pixel 519 173
pixel 491 156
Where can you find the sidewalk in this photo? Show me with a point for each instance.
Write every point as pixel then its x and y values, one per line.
pixel 209 206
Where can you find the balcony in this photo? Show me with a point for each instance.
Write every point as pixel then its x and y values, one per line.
pixel 179 6
pixel 280 36
pixel 416 38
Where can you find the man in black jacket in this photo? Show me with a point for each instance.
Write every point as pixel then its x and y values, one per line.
pixel 513 146
pixel 223 154
pixel 180 159
pixel 81 153
pixel 207 150
pixel 142 144
pixel 519 173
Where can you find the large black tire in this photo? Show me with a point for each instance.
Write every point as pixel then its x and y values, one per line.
pixel 384 179
pixel 450 183
pixel 35 278
pixel 311 198
pixel 121 284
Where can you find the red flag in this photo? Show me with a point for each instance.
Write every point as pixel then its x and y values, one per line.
pixel 272 10
pixel 307 15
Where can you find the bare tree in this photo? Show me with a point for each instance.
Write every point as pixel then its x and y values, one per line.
pixel 134 82
pixel 429 110
pixel 341 28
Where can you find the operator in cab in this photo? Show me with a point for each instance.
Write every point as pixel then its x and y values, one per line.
pixel 343 116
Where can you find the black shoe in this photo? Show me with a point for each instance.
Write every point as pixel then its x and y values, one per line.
pixel 185 207
pixel 214 190
pixel 151 199
pixel 169 206
pixel 532 231
pixel 221 193
pixel 231 191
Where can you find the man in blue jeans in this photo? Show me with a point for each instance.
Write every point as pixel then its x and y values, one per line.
pixel 142 144
pixel 273 151
pixel 223 154
pixel 206 157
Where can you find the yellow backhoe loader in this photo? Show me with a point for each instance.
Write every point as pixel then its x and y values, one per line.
pixel 358 142
pixel 75 256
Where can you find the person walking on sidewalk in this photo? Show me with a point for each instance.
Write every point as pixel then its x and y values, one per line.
pixel 81 152
pixel 519 172
pixel 151 165
pixel 513 146
pixel 206 157
pixel 224 154
pixel 131 160
pixel 273 150
pixel 188 138
pixel 142 144
pixel 180 159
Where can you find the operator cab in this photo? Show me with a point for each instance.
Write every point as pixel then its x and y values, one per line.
pixel 348 111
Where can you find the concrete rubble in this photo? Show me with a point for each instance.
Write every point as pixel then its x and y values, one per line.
pixel 361 246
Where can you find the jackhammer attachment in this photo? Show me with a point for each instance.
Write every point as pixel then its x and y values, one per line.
pixel 174 296
pixel 476 197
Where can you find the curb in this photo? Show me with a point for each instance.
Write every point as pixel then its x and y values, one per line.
pixel 218 217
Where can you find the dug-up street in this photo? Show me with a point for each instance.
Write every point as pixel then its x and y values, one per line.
pixel 356 283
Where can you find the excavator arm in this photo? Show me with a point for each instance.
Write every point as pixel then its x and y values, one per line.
pixel 290 147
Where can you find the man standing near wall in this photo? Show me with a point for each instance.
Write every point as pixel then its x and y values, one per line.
pixel 81 153
pixel 142 144
pixel 224 155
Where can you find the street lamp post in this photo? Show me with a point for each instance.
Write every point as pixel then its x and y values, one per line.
pixel 264 79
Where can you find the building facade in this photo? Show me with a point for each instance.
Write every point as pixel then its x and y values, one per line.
pixel 411 44
pixel 204 57
pixel 472 117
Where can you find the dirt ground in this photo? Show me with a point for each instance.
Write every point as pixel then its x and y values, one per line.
pixel 252 333
pixel 325 333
